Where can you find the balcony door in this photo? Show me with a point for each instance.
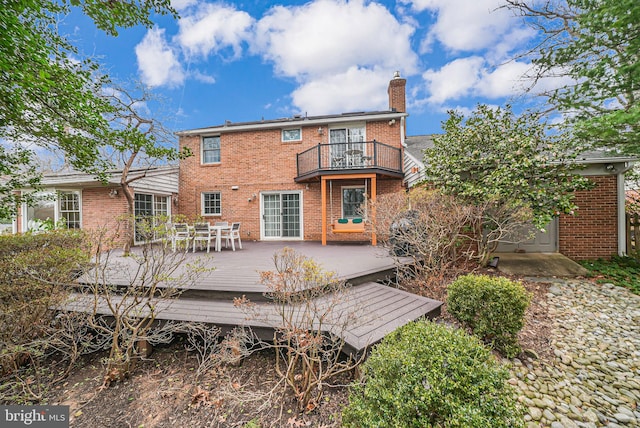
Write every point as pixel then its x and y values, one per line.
pixel 347 144
pixel 281 215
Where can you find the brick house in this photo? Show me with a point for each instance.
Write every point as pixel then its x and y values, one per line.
pixel 298 178
pixel 310 178
pixel 83 202
pixel 597 230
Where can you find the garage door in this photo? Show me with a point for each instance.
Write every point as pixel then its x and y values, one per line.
pixel 542 242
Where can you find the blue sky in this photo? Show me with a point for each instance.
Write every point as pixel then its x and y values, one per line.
pixel 244 61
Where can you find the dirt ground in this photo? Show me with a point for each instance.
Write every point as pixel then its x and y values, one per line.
pixel 165 390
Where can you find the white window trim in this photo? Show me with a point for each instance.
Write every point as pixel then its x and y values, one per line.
pixel 273 192
pixel 153 206
pixel 56 210
pixel 290 129
pixel 202 162
pixel 352 125
pixel 202 213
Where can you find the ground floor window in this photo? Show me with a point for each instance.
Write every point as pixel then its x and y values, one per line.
pixel 53 209
pixel 353 202
pixel 211 203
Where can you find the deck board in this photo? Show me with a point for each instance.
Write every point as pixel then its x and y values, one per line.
pixel 369 310
pixel 363 332
pixel 240 270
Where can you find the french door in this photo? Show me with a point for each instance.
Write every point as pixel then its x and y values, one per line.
pixel 281 215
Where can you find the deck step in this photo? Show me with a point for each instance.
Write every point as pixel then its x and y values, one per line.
pixel 376 310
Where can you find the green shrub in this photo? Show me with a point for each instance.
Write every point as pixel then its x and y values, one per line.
pixel 428 375
pixel 35 273
pixel 493 307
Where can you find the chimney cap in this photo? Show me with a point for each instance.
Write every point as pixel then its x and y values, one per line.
pixel 396 75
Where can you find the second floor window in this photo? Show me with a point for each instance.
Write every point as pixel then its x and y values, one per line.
pixel 211 203
pixel 211 150
pixel 289 135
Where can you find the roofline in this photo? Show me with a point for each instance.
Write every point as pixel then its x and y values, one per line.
pixel 293 121
pixel 78 178
pixel 612 159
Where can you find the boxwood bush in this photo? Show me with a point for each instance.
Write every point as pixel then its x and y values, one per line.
pixel 429 375
pixel 493 307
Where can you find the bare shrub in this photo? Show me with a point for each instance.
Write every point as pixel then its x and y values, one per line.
pixel 309 313
pixel 132 291
pixel 425 227
pixel 497 221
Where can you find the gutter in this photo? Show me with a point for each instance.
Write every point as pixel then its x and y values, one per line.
pixel 253 126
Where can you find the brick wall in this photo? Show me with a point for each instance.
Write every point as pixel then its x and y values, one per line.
pixel 102 212
pixel 592 232
pixel 258 161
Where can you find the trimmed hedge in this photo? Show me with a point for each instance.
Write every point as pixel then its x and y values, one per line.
pixel 493 307
pixel 428 375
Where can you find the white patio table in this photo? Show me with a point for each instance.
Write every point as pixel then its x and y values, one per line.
pixel 219 228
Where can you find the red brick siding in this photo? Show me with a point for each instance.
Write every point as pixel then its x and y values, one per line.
pixel 258 161
pixel 592 232
pixel 100 212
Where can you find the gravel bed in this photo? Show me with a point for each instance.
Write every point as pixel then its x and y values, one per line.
pixel 593 380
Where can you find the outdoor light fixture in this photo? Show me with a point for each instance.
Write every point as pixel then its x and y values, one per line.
pixel 113 193
pixel 392 122
pixel 320 131
pixel 610 167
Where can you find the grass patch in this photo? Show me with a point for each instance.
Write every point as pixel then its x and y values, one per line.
pixel 622 271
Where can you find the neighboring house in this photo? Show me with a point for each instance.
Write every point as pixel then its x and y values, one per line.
pixel 598 227
pixel 82 202
pixel 298 178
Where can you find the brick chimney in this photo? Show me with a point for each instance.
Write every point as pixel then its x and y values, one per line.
pixel 396 91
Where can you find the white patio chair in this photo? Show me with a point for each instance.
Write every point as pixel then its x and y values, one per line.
pixel 231 235
pixel 180 233
pixel 202 233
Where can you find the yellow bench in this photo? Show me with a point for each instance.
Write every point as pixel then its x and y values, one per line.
pixel 351 225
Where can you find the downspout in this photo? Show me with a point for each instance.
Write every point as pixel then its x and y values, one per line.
pixel 622 220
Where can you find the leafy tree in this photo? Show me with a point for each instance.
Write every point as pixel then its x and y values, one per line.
pixel 512 169
pixel 137 139
pixel 596 43
pixel 49 94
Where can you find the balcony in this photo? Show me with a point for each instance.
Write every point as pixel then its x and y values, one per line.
pixel 349 158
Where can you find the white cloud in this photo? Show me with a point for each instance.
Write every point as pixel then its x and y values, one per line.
pixel 203 77
pixel 505 81
pixel 181 5
pixel 464 25
pixel 326 37
pixel 157 62
pixel 454 80
pixel 472 77
pixel 212 28
pixel 354 90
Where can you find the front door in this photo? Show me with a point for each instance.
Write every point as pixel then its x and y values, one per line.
pixel 281 215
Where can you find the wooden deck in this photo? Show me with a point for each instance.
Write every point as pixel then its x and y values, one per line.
pixel 365 313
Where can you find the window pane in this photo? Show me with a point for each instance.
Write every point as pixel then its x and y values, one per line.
pixel 292 134
pixel 69 206
pixel 211 203
pixel 352 200
pixel 211 149
pixel 43 210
